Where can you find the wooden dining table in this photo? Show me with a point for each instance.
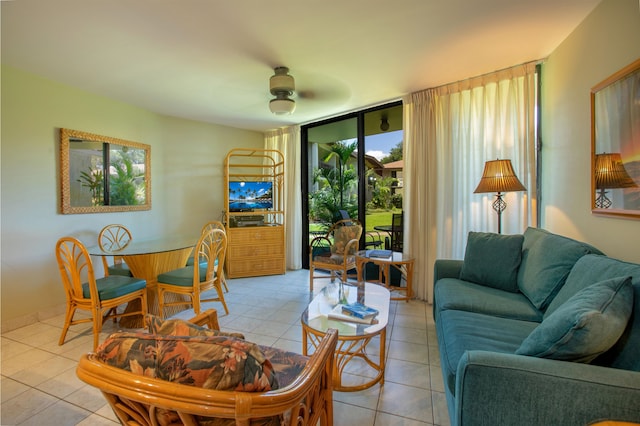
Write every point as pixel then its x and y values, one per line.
pixel 147 259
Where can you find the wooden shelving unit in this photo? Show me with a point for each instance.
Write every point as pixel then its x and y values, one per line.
pixel 255 237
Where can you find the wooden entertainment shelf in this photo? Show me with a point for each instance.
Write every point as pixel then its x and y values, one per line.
pixel 255 236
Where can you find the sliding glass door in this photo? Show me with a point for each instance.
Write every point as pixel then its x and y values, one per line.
pixel 346 173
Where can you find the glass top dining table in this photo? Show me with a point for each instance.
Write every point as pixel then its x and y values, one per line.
pixel 156 245
pixel 147 259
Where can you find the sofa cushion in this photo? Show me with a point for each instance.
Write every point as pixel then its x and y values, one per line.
pixel 180 327
pixel 452 293
pixel 212 362
pixel 586 325
pixel 460 331
pixel 492 260
pixel 594 268
pixel 547 260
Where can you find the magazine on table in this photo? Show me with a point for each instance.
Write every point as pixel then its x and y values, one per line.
pixel 359 310
pixel 379 254
pixel 339 314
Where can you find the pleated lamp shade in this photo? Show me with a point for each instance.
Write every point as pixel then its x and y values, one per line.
pixel 610 172
pixel 498 176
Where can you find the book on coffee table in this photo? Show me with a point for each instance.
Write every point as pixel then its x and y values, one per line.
pixel 339 314
pixel 379 254
pixel 359 310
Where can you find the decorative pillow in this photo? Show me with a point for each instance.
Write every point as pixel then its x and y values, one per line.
pixel 547 260
pixel 341 237
pixel 492 260
pixel 586 325
pixel 212 362
pixel 179 327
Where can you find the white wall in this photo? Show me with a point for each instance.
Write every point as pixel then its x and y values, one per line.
pixel 186 173
pixel 606 41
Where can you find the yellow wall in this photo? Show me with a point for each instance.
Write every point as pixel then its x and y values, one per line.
pixel 606 41
pixel 186 171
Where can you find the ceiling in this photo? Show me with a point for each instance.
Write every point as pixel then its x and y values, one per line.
pixel 210 60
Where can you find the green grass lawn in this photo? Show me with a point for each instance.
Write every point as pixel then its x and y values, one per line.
pixel 374 218
pixel 379 217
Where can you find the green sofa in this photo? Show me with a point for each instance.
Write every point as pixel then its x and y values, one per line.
pixel 538 329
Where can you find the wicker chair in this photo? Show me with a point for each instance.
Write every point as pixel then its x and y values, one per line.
pixel 113 238
pixel 137 400
pixel 214 224
pixel 335 251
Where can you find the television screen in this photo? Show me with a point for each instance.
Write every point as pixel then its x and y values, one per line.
pixel 250 195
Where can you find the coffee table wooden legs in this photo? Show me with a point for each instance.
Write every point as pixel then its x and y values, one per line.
pixel 349 348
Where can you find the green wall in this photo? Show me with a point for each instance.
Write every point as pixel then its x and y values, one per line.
pixel 186 173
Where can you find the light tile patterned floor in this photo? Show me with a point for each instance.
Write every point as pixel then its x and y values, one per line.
pixel 39 385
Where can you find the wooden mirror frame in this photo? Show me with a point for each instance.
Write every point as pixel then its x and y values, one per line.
pixel 66 207
pixel 616 97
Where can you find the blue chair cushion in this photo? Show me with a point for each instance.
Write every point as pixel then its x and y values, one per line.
pixel 586 325
pixel 182 276
pixel 120 269
pixel 114 286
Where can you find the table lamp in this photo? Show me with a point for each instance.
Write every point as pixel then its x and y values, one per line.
pixel 609 174
pixel 498 176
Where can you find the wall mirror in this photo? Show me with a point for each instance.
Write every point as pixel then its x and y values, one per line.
pixel 615 144
pixel 100 174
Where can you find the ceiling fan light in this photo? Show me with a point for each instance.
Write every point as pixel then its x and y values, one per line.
pixel 282 82
pixel 282 106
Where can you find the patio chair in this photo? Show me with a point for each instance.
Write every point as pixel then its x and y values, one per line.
pixel 335 251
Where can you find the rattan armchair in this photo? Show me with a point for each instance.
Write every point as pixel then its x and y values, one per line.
pixel 335 251
pixel 138 400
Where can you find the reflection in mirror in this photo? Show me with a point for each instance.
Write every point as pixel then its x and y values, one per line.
pixel 86 159
pixel 615 162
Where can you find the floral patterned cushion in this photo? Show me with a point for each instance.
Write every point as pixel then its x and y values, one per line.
pixel 212 362
pixel 341 237
pixel 179 327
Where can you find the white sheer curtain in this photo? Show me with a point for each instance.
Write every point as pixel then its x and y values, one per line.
pixel 287 141
pixel 450 132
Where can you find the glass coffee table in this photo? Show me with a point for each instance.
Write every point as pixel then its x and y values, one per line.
pixel 353 338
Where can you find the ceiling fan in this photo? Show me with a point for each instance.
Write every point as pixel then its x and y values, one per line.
pixel 282 86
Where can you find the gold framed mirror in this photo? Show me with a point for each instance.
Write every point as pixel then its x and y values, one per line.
pixel 85 160
pixel 615 144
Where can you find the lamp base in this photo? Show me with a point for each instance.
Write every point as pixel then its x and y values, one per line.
pixel 602 201
pixel 499 205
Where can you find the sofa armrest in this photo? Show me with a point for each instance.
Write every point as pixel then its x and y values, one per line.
pixel 519 390
pixel 446 268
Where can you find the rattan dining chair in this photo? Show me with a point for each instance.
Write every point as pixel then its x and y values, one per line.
pixel 214 224
pixel 98 296
pixel 111 239
pixel 335 251
pixel 198 278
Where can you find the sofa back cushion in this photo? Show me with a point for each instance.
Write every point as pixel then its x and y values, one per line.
pixel 594 268
pixel 546 262
pixel 492 260
pixel 586 325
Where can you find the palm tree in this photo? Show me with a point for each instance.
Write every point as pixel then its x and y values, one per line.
pixel 342 151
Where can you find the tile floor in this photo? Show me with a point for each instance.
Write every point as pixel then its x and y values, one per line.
pixel 39 385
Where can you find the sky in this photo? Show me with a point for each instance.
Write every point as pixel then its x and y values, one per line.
pixel 379 145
